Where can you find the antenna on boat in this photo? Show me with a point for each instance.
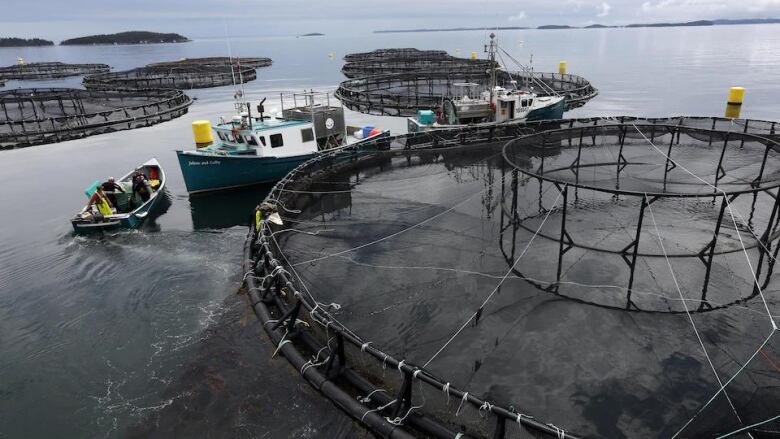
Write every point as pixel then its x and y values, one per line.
pixel 239 93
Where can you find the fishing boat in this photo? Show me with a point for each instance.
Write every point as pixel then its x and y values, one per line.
pixel 254 150
pixel 131 207
pixel 497 104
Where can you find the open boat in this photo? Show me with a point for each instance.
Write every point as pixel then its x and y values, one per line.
pixel 254 150
pixel 130 210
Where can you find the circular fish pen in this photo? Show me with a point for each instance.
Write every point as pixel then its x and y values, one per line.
pixel 403 94
pixel 405 53
pixel 187 76
pixel 48 115
pixel 217 61
pixel 49 70
pixel 593 277
pixel 440 64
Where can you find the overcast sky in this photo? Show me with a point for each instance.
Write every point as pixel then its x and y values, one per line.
pixel 59 19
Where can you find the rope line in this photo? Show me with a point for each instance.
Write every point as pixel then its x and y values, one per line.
pixel 463 326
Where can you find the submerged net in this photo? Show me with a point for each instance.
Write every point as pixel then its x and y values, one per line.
pixel 48 115
pixel 403 94
pixel 187 76
pixel 602 277
pixel 49 70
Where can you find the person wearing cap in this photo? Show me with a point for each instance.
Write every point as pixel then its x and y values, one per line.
pixel 108 187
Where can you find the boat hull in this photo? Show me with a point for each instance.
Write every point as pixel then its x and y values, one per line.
pixel 212 172
pixel 131 220
pixel 550 112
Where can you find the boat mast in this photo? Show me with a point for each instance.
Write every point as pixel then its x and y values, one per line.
pixel 491 50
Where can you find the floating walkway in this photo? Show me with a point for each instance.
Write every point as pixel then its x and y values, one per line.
pixel 48 115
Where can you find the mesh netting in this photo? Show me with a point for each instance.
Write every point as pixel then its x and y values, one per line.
pixel 217 61
pixel 403 94
pixel 450 64
pixel 384 54
pixel 38 116
pixel 605 277
pixel 49 70
pixel 186 76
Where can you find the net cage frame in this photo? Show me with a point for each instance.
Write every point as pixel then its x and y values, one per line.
pixel 162 105
pixel 184 77
pixel 49 70
pixel 421 90
pixel 578 138
pixel 283 308
pixel 403 52
pixel 218 61
pixel 373 67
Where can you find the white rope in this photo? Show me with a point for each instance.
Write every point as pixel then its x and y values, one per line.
pixel 757 424
pixel 392 235
pixel 687 311
pixel 722 388
pixel 731 213
pixel 281 343
pixel 559 432
pixel 362 418
pixel 462 400
pixel 367 398
pixel 485 409
pixel 400 365
pixel 446 389
pixel 463 326
pixel 364 346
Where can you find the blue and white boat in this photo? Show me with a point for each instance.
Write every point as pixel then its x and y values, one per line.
pixel 253 150
pixel 131 210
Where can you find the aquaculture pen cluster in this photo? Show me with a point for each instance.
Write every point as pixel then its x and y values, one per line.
pixel 187 76
pixel 399 82
pixel 46 115
pixel 113 100
pixel 49 70
pixel 217 61
pixel 552 177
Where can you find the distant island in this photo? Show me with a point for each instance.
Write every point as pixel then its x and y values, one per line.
pixel 452 29
pixel 132 37
pixel 313 34
pixel 719 22
pixel 22 42
pixel 687 23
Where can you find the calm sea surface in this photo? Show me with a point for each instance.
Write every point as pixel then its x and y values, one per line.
pixel 102 337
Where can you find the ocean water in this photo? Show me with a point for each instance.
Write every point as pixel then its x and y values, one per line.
pixel 142 332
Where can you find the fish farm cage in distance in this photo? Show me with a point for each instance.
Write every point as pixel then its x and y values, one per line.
pixel 217 61
pixel 439 63
pixel 49 70
pixel 187 76
pixel 407 53
pixel 403 94
pixel 48 115
pixel 383 390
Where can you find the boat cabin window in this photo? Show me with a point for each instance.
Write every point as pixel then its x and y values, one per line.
pixel 307 135
pixel 530 102
pixel 523 102
pixel 276 140
pixel 250 139
pixel 261 139
pixel 239 138
pixel 221 136
pixel 229 137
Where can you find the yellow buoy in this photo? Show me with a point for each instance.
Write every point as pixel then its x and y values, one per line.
pixel 473 55
pixel 201 131
pixel 734 102
pixel 562 67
